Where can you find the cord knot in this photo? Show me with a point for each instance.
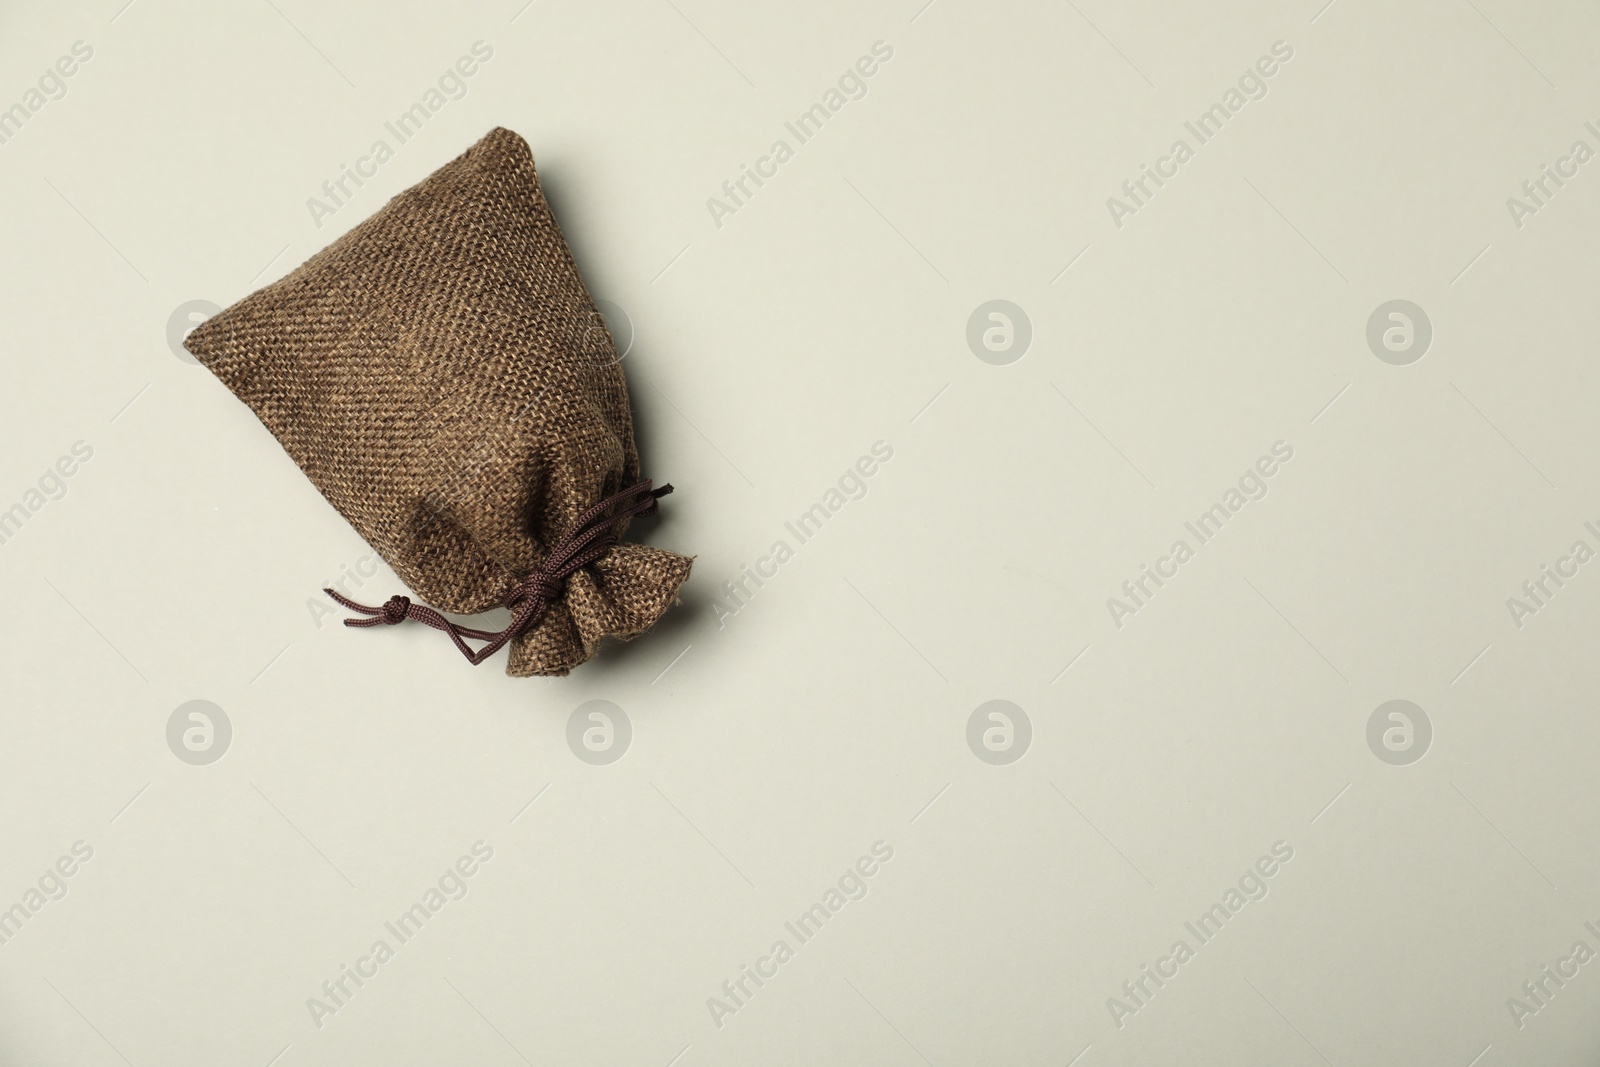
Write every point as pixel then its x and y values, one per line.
pixel 591 536
pixel 540 587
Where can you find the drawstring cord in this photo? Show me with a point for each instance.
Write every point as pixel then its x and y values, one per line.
pixel 590 538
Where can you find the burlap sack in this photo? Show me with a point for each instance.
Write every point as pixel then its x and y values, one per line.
pixel 441 374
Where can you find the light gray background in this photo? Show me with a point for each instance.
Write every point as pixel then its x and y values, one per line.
pixel 773 750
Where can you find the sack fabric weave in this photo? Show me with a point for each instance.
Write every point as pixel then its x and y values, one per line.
pixel 442 376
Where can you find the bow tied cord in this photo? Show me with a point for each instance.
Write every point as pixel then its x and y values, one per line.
pixel 591 537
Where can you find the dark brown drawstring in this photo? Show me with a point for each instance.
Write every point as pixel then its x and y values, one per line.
pixel 590 538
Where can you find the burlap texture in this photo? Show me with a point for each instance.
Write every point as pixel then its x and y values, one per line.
pixel 441 374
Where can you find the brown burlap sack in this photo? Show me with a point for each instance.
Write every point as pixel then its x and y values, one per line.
pixel 442 376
